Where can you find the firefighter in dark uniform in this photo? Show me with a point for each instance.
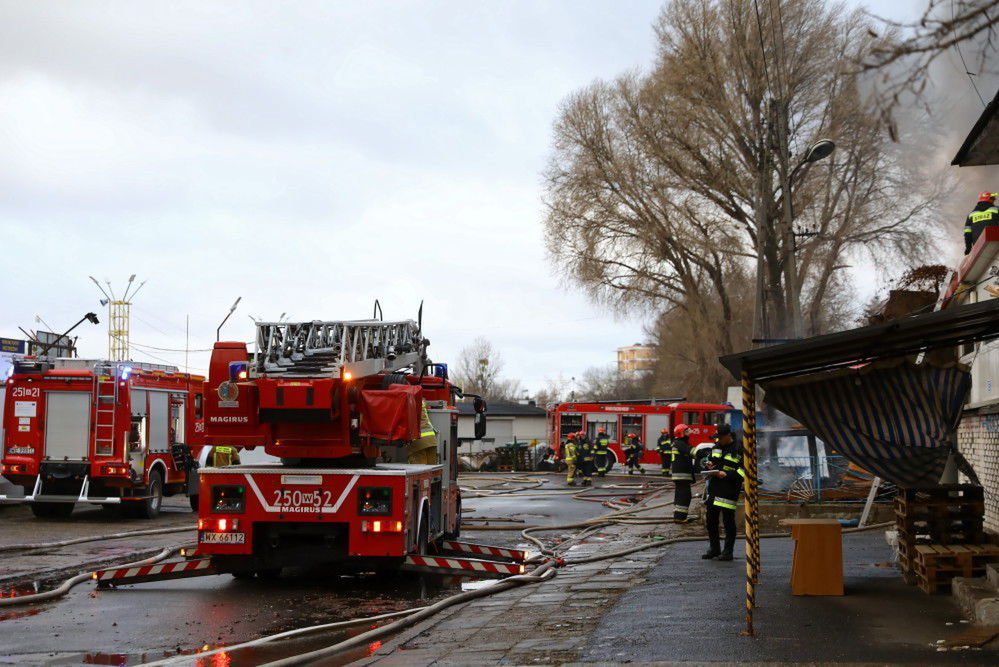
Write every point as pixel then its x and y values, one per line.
pixel 633 453
pixel 984 214
pixel 584 454
pixel 601 451
pixel 665 448
pixel 682 471
pixel 724 468
pixel 569 453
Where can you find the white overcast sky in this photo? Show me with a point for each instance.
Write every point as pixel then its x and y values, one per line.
pixel 307 156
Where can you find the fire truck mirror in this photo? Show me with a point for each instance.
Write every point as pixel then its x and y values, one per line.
pixel 479 404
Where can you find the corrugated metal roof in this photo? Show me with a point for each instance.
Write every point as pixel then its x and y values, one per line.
pixel 908 335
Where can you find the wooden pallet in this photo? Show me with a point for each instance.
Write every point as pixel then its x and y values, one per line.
pixel 936 565
pixel 945 494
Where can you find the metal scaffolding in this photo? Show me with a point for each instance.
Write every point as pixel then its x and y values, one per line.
pixel 119 316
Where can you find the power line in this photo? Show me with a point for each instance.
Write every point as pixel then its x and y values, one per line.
pixel 171 349
pixel 763 47
pixel 957 46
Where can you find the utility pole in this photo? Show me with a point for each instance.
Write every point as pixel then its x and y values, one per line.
pixel 792 288
pixel 762 314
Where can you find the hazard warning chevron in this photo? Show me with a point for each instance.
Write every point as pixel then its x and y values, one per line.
pixel 464 566
pixel 158 572
pixel 483 550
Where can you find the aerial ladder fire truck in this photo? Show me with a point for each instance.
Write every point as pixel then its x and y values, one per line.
pixel 365 426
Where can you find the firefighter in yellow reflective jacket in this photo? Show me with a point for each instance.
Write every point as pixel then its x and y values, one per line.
pixel 664 445
pixel 424 450
pixel 633 453
pixel 724 467
pixel 223 455
pixel 984 215
pixel 601 452
pixel 569 454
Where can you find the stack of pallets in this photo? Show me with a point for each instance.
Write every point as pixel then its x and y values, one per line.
pixel 937 564
pixel 940 534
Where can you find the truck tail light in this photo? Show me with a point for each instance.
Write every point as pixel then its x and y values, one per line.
pixel 13 469
pixel 116 470
pixel 381 526
pixel 222 524
pixel 225 524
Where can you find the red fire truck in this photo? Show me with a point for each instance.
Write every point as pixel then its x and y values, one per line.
pixel 106 433
pixel 644 418
pixel 346 405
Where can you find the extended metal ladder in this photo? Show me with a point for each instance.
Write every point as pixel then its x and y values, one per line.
pixel 360 347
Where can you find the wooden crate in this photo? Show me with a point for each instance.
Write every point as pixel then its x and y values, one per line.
pixel 935 565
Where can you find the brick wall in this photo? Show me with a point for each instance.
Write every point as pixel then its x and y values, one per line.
pixel 978 440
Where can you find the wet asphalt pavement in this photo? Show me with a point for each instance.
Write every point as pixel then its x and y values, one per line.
pixel 687 609
pixel 150 621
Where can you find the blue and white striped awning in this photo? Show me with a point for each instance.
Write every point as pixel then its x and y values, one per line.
pixel 898 421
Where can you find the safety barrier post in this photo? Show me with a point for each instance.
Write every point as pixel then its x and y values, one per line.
pixel 752 505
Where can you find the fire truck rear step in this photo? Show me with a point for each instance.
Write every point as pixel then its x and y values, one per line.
pixel 181 569
pixel 465 548
pixel 36 496
pixel 472 567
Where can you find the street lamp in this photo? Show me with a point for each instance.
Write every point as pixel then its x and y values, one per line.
pixel 218 332
pixel 821 149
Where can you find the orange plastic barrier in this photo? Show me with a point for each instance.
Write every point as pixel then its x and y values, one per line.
pixel 817 568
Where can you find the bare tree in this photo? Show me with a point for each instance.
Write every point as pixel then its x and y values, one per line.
pixel 660 184
pixel 478 371
pixel 906 51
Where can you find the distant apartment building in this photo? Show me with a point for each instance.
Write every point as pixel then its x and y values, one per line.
pixel 636 358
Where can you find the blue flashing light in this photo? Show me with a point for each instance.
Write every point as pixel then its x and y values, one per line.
pixel 125 372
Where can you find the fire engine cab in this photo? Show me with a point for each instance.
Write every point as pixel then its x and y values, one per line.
pixel 365 426
pixel 107 433
pixel 644 418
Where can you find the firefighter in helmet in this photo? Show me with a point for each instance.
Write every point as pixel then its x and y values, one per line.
pixel 983 215
pixel 633 453
pixel 569 453
pixel 682 470
pixel 601 452
pixel 584 454
pixel 664 445
pixel 724 468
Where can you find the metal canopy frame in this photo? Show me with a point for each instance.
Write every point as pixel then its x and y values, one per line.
pixel 898 338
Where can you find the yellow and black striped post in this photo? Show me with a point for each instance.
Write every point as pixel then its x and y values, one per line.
pixel 752 505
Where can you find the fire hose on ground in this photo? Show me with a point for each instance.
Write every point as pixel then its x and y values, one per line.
pixel 68 584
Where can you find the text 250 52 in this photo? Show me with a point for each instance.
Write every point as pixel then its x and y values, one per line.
pixel 316 499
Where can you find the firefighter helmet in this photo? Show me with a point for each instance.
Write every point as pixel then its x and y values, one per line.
pixel 602 430
pixel 989 197
pixel 572 436
pixel 681 430
pixel 632 435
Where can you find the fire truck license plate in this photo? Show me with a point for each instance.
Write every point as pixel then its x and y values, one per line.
pixel 223 538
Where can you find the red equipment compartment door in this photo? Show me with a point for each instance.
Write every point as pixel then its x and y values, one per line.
pixel 393 414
